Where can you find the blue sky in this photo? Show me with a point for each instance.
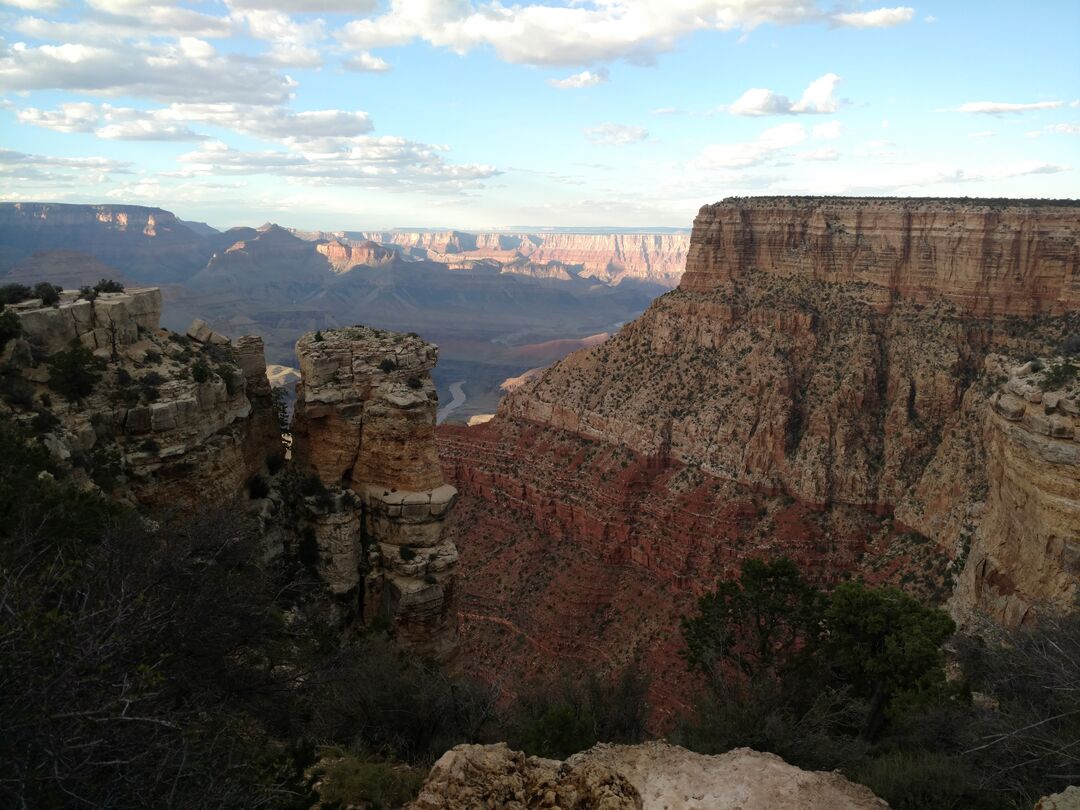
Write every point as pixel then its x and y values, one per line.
pixel 350 114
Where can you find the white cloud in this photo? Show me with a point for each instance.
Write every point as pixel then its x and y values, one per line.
pixel 573 34
pixel 172 122
pixel 366 62
pixel 615 134
pixel 1064 129
pixel 999 107
pixel 766 147
pixel 879 18
pixel 165 73
pixel 307 6
pixel 816 99
pixel 985 133
pixel 43 168
pixel 829 131
pixel 587 78
pixel 33 5
pixel 818 154
pixel 292 44
pixel 384 163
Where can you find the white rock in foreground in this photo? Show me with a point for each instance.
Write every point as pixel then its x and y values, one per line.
pixel 651 776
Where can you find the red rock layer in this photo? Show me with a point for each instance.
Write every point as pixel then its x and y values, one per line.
pixel 576 552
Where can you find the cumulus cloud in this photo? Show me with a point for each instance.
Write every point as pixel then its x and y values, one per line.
pixel 579 33
pixel 172 122
pixel 166 73
pixel 879 18
pixel 292 44
pixel 817 99
pixel 587 78
pixel 385 163
pixel 33 5
pixel 367 63
pixel 1064 129
pixel 766 147
pixel 45 168
pixel 615 134
pixel 307 6
pixel 828 131
pixel 999 107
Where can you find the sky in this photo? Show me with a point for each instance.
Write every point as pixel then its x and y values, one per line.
pixel 358 114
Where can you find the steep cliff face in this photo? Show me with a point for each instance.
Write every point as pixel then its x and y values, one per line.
pixel 148 244
pixel 1026 549
pixel 984 257
pixel 365 426
pixel 172 421
pixel 608 257
pixel 344 257
pixel 806 388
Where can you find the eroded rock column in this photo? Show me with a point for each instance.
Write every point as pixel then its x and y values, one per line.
pixel 365 426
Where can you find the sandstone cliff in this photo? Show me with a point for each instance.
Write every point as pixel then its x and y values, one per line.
pixel 821 374
pixel 986 257
pixel 651 776
pixel 174 419
pixel 365 426
pixel 606 257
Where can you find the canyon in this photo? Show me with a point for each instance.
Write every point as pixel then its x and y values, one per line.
pixel 166 421
pixel 826 383
pixel 483 298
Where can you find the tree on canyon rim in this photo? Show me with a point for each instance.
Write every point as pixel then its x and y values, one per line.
pixel 770 630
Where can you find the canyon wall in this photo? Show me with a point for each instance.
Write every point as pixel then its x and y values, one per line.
pixel 173 419
pixel 364 425
pixel 606 257
pixel 797 394
pixel 986 257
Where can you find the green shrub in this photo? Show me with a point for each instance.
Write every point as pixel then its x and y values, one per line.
pixel 107 285
pixel 123 377
pixel 15 293
pixel 200 372
pixel 352 782
pixel 152 357
pixel 232 380
pixel 14 389
pixel 48 293
pixel 407 553
pixel 923 780
pixel 151 378
pixel 387 365
pixel 318 337
pixel 43 421
pixel 10 327
pixel 414 383
pixel 1058 375
pixel 74 373
pixel 88 293
pixel 1070 346
pixel 150 446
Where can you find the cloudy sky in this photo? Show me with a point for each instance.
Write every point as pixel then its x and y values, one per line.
pixel 381 113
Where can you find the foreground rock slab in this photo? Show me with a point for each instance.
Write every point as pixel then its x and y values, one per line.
pixel 651 776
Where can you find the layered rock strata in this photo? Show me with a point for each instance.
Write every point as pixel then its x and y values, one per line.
pixel 1025 553
pixel 650 776
pixel 365 426
pixel 986 257
pixel 607 257
pixel 171 421
pixel 824 366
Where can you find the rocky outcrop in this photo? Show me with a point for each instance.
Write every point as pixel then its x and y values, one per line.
pixel 343 257
pixel 172 420
pixel 607 257
pixel 986 257
pixel 789 398
pixel 365 426
pixel 651 776
pixel 1025 553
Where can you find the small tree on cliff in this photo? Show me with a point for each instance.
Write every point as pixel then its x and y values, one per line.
pixel 74 373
